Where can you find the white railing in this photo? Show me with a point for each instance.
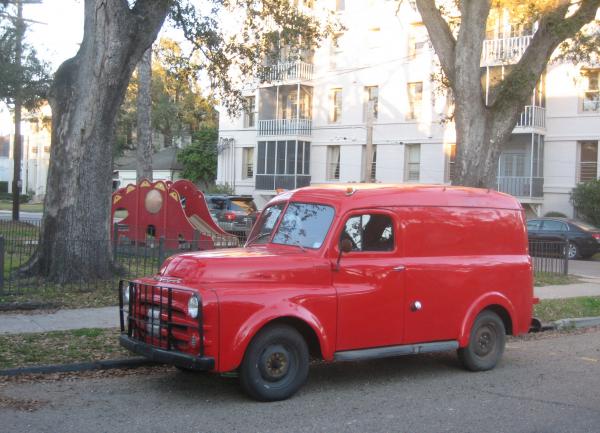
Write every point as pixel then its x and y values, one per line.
pixel 521 186
pixel 532 116
pixel 287 71
pixel 273 127
pixel 504 51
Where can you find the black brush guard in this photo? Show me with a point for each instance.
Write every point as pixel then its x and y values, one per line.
pixel 166 351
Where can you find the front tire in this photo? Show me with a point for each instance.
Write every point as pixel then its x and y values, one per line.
pixel 486 343
pixel 275 365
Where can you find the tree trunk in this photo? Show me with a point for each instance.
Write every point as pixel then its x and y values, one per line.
pixel 144 120
pixel 85 96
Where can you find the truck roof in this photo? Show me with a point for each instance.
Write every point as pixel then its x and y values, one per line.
pixel 357 195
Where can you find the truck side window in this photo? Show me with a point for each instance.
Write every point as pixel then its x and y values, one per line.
pixel 372 232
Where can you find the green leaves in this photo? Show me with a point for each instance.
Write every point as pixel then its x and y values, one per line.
pixel 199 159
pixel 586 200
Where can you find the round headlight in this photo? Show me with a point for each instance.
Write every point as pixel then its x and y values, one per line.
pixel 193 305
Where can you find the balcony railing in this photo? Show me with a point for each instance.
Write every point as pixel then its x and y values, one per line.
pixel 532 117
pixel 504 51
pixel 271 182
pixel 274 127
pixel 287 71
pixel 521 186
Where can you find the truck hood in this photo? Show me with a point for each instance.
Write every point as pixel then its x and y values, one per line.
pixel 270 263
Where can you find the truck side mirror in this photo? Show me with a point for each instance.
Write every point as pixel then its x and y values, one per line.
pixel 345 248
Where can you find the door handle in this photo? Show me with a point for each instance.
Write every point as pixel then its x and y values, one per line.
pixel 399 268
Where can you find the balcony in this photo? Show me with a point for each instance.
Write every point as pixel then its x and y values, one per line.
pixel 271 182
pixel 284 127
pixel 522 186
pixel 533 117
pixel 287 72
pixel 504 51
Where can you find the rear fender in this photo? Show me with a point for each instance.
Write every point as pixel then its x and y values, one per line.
pixel 480 304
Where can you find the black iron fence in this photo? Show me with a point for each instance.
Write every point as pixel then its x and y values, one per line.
pixel 131 257
pixel 550 256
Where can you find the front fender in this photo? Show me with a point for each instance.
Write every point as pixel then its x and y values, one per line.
pixel 241 322
pixel 484 301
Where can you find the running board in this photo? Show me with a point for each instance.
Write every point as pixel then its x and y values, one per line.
pixel 390 351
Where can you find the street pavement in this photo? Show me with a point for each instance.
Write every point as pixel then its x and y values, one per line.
pixel 585 268
pixel 546 384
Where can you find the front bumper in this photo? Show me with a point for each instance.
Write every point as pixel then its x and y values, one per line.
pixel 179 359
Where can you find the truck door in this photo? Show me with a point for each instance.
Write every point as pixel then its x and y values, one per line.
pixel 369 282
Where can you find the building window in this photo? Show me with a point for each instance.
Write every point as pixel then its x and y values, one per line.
pixel 335 102
pixel 248 163
pixel 451 158
pixel 415 100
pixel 418 40
pixel 5 146
pixel 340 5
pixel 333 162
pixel 373 177
pixel 250 112
pixel 591 94
pixel 588 161
pixel 412 169
pixel 371 94
pixel 335 50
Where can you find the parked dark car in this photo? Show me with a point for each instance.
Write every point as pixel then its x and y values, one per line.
pixel 583 239
pixel 234 214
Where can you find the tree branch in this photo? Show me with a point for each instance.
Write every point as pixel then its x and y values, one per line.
pixel 553 29
pixel 440 34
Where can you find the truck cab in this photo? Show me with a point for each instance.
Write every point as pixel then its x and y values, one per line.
pixel 342 273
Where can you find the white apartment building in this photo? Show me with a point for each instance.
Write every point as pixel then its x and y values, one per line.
pixel 308 118
pixel 35 151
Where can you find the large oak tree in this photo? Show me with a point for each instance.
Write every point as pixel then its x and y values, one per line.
pixel 483 128
pixel 88 90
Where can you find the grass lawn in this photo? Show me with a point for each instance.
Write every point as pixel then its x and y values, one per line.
pixel 547 279
pixel 60 347
pixel 596 257
pixel 553 309
pixel 25 207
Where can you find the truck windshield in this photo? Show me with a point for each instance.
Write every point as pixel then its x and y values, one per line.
pixel 304 225
pixel 262 232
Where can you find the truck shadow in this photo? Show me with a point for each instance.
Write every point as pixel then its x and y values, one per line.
pixel 323 377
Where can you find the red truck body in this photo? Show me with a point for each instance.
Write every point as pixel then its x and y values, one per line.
pixel 454 253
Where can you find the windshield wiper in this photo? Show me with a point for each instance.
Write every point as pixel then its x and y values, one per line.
pixel 258 236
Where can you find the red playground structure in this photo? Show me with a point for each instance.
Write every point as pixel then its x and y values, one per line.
pixel 173 211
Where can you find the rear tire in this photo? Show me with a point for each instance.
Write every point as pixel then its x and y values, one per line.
pixel 486 343
pixel 275 365
pixel 573 252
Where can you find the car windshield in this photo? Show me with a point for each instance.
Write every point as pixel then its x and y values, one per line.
pixel 304 225
pixel 263 229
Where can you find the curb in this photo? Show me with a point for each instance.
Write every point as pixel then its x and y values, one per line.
pixel 80 366
pixel 582 322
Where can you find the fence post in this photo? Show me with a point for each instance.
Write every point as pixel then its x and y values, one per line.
pixel 1 262
pixel 195 241
pixel 115 240
pixel 566 259
pixel 161 251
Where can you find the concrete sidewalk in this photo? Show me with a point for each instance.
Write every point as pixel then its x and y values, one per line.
pixel 108 317
pixel 61 320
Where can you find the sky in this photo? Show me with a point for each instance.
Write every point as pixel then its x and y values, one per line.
pixel 58 38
